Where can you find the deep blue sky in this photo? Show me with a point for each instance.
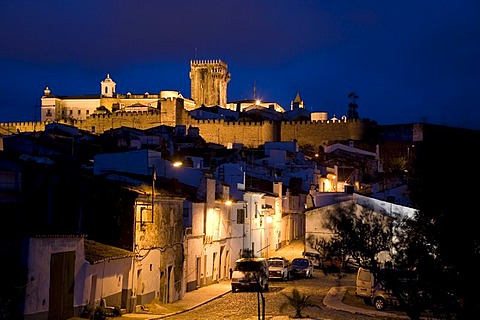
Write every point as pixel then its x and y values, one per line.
pixel 408 61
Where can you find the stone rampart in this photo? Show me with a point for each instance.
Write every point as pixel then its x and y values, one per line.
pixel 319 132
pixel 250 133
pixel 7 128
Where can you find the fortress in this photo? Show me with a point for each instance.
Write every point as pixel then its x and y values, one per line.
pixel 209 80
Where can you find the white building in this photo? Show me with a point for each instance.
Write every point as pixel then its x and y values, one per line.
pixel 66 274
pixel 79 107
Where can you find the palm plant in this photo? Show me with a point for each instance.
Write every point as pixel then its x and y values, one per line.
pixel 297 301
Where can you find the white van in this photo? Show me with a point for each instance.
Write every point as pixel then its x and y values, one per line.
pixel 364 283
pixel 250 274
pixel 374 291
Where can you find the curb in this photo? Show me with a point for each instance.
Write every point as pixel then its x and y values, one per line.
pixel 334 297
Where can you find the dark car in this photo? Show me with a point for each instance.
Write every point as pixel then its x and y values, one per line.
pixel 302 268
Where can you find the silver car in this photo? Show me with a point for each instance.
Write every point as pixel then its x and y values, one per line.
pixel 279 268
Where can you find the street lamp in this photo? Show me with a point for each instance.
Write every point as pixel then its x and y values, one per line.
pixel 244 217
pixel 175 164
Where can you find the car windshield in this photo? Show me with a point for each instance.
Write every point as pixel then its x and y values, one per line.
pixel 275 263
pixel 300 262
pixel 248 266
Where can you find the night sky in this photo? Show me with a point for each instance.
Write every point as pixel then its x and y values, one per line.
pixel 408 61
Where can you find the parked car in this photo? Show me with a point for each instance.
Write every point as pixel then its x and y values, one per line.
pixel 386 286
pixel 314 257
pixel 279 268
pixel 302 268
pixel 250 274
pixel 373 291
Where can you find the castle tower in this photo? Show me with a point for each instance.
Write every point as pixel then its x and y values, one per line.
pixel 297 103
pixel 108 87
pixel 209 79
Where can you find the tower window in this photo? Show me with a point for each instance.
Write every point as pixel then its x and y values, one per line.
pixel 106 89
pixel 71 112
pixel 79 112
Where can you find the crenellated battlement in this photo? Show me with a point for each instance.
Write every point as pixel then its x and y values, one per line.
pixel 315 122
pixel 212 62
pixel 21 124
pixel 251 133
pixel 7 128
pixel 121 114
pixel 230 123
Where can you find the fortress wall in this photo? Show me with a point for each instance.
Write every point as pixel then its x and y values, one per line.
pixel 319 132
pixel 100 123
pixel 7 128
pixel 251 134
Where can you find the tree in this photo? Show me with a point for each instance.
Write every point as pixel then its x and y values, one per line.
pixel 441 242
pixel 298 302
pixel 352 106
pixel 359 234
pixel 397 165
pixel 308 149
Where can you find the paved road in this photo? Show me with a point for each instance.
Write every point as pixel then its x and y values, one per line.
pixel 324 290
pixel 245 305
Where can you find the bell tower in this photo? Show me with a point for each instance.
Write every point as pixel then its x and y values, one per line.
pixel 209 79
pixel 108 87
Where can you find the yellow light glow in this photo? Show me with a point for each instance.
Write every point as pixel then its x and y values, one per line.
pixel 228 202
pixel 269 219
pixel 257 102
pixel 177 163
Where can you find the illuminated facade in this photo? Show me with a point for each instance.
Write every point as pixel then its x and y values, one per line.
pixel 80 107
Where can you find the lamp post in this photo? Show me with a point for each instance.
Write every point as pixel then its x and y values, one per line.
pixel 245 207
pixel 268 224
pixel 154 178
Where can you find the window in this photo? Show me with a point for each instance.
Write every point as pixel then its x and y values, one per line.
pixel 79 112
pixel 186 212
pixel 240 216
pixel 49 113
pixel 106 90
pixel 71 112
pixel 88 112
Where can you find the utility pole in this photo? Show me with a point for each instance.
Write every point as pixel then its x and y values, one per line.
pixel 244 218
pixel 154 178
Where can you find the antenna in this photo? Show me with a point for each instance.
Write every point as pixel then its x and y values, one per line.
pixel 254 90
